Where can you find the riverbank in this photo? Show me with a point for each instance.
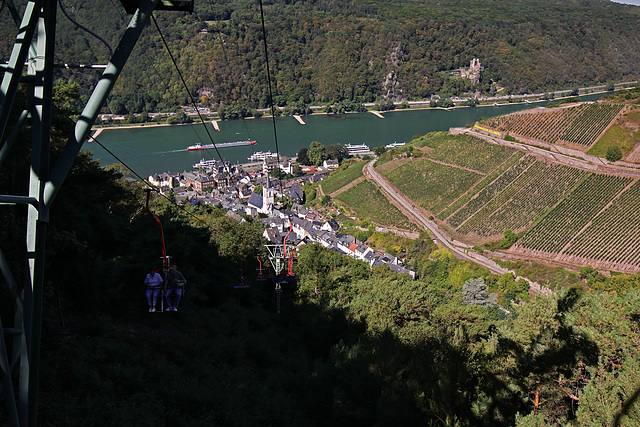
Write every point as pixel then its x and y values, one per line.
pixel 413 106
pixel 156 148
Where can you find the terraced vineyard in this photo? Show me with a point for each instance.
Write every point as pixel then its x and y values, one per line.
pixel 565 214
pixel 479 186
pixel 464 151
pixel 432 185
pixel 579 125
pixel 339 180
pixel 485 195
pixel 576 211
pixel 530 195
pixel 613 237
pixel 368 202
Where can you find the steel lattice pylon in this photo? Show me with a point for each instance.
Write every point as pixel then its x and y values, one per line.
pixel 34 45
pixel 280 256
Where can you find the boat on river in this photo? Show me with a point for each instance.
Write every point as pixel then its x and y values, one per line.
pixel 221 145
pixel 260 156
pixel 395 145
pixel 358 150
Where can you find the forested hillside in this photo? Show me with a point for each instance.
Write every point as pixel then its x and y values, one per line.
pixel 326 51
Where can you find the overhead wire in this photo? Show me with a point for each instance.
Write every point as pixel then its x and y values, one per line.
pixel 123 163
pixel 151 63
pixel 184 83
pixel 146 182
pixel 273 114
pixel 82 27
pixel 226 59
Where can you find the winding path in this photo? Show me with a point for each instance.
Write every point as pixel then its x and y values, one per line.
pixel 459 249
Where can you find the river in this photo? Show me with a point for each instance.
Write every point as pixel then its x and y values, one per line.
pixel 151 150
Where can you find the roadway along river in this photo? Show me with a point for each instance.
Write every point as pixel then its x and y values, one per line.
pixel 162 149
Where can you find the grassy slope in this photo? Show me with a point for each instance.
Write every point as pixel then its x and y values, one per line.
pixel 367 202
pixel 625 133
pixel 344 177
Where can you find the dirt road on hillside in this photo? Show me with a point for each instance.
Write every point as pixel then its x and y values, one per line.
pixel 459 249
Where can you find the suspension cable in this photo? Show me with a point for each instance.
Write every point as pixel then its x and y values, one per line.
pixel 160 75
pixel 82 27
pixel 175 64
pixel 145 181
pixel 273 114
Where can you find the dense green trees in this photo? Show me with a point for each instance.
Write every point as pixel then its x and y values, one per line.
pixel 317 153
pixel 352 345
pixel 303 156
pixel 348 55
pixel 337 152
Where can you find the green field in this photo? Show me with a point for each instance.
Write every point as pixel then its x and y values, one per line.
pixel 342 178
pixel 623 133
pixel 464 151
pixel 368 202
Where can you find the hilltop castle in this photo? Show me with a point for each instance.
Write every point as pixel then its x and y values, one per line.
pixel 473 72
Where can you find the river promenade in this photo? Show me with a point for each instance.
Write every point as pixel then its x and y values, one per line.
pixel 500 100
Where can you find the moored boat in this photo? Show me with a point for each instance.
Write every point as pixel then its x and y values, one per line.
pixel 260 155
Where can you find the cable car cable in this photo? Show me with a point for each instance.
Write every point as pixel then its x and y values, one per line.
pixel 273 115
pixel 175 64
pixel 146 182
pixel 152 65
pixel 85 28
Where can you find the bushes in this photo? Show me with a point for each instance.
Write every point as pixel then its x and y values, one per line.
pixel 614 153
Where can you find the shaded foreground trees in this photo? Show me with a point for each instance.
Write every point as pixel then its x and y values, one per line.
pixel 353 345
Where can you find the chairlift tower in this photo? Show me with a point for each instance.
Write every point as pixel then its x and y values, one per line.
pixel 281 255
pixel 31 63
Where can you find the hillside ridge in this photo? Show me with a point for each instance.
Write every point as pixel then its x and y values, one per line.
pixel 525 194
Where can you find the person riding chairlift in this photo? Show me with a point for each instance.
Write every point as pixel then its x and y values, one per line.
pixel 153 282
pixel 174 285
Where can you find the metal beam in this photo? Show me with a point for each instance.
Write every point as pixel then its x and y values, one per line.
pixel 37 216
pixel 97 100
pixel 18 56
pixel 44 184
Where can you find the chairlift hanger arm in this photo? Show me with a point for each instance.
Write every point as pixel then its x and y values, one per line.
pixel 165 258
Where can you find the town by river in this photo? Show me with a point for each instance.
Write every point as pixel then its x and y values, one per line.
pixel 151 150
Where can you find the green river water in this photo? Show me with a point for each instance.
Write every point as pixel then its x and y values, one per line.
pixel 153 150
